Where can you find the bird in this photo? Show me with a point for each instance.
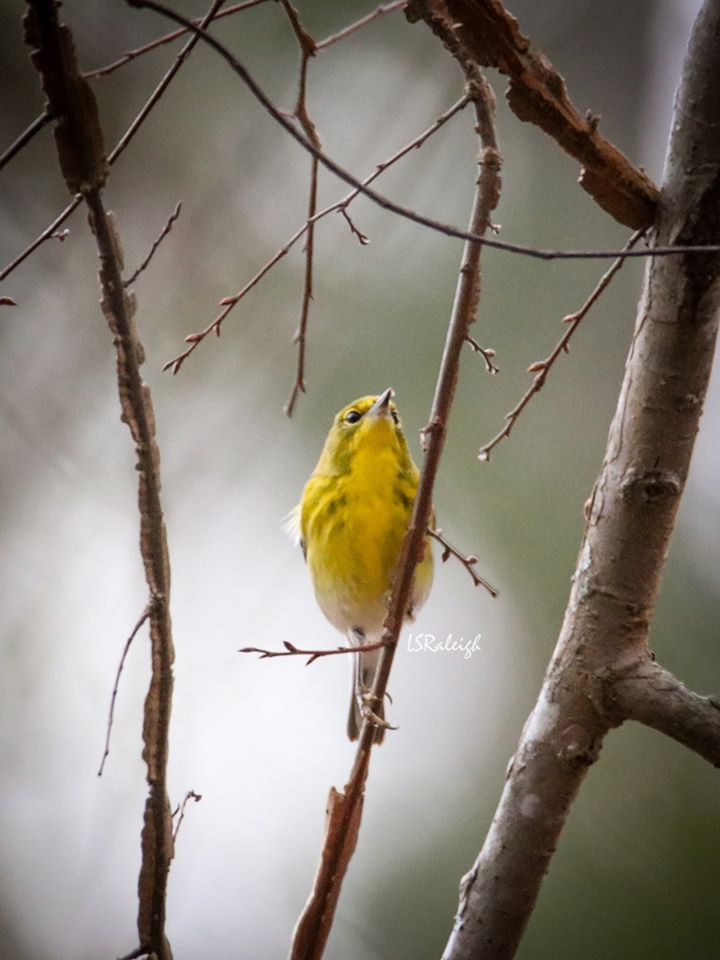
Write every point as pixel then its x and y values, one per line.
pixel 351 522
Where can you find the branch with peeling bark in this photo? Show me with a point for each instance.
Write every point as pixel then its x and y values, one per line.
pixel 51 230
pixel 482 31
pixel 85 167
pixel 602 672
pixel 386 203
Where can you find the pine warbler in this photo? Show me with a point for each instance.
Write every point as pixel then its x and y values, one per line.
pixel 351 522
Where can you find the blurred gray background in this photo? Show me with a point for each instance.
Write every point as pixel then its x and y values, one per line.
pixel 636 874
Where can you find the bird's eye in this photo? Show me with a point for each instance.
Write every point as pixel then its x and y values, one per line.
pixel 396 418
pixel 352 416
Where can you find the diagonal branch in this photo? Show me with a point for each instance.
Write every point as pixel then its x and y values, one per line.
pixel 228 303
pixel 602 671
pixel 386 203
pixel 375 14
pixel 541 368
pixel 130 55
pixel 345 809
pixel 156 243
pixel 119 147
pixel 467 561
pixel 484 32
pixel 25 137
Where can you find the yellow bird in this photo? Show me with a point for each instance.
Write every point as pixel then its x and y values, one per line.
pixel 351 522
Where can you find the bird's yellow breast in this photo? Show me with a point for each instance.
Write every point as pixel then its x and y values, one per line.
pixel 353 525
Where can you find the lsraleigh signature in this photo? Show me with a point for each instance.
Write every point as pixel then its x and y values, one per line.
pixel 430 643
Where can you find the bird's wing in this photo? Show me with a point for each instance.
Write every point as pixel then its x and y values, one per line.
pixel 291 526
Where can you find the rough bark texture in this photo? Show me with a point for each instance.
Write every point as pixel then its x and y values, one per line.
pixel 602 671
pixel 84 165
pixel 482 31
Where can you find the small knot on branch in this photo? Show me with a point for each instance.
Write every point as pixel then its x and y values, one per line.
pixel 650 486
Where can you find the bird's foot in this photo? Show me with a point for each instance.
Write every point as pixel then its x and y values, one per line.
pixel 366 701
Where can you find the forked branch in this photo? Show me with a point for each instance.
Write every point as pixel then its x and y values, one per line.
pixel 601 672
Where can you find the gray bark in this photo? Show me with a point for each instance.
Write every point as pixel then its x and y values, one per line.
pixel 602 672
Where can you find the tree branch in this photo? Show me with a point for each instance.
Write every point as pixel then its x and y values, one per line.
pixel 307 48
pixel 595 676
pixel 468 561
pixel 484 32
pixel 541 368
pixel 84 166
pixel 344 809
pixel 156 243
pixel 116 686
pixel 25 137
pixel 292 651
pixel 653 696
pixel 228 303
pixel 130 55
pixel 120 146
pixel 384 202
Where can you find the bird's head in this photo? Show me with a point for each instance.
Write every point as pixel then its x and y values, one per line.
pixel 370 426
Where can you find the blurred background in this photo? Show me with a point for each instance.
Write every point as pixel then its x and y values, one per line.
pixel 636 871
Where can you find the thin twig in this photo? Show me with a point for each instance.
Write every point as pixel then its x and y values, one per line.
pixel 227 303
pixel 447 229
pixel 307 50
pixel 292 651
pixel 49 233
pixel 485 352
pixel 160 41
pixel 165 82
pixel 468 561
pixel 122 144
pixel 165 231
pixel 344 809
pixel 541 368
pixel 362 238
pixel 25 137
pixel 194 339
pixel 179 812
pixel 116 685
pixel 375 14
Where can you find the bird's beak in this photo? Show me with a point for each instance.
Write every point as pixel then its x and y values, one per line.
pixel 381 407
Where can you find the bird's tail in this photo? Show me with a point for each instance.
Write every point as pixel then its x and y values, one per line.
pixel 364 665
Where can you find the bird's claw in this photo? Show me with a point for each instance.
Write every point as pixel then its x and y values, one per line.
pixel 364 700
